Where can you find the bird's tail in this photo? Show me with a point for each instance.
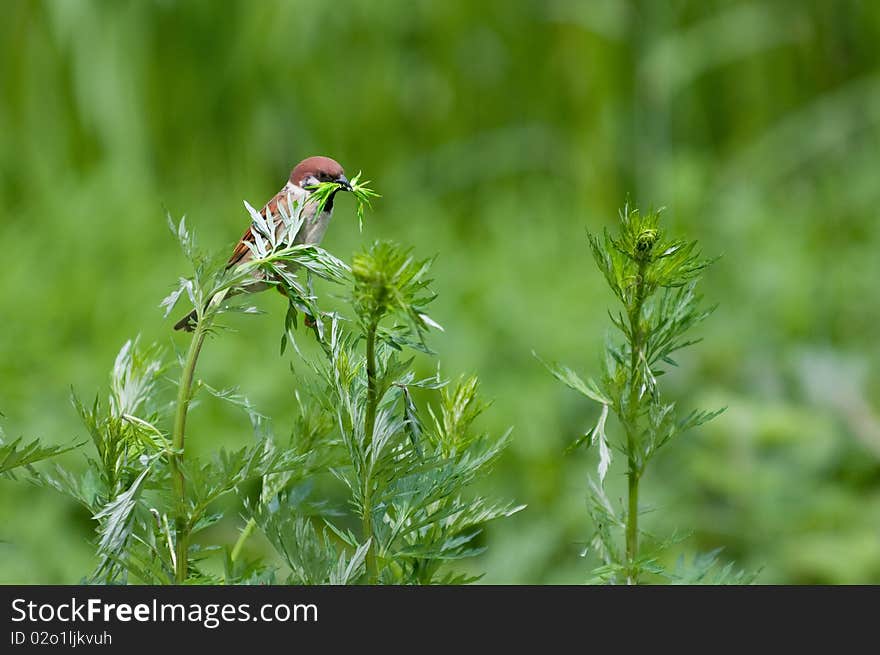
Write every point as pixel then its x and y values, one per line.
pixel 188 322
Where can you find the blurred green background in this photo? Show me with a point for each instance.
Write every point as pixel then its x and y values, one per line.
pixel 497 132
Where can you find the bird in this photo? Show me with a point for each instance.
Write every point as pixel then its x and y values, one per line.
pixel 301 184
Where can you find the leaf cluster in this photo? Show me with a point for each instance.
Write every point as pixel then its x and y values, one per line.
pixel 19 453
pixel 407 465
pixel 404 449
pixel 653 277
pixel 641 258
pixel 388 280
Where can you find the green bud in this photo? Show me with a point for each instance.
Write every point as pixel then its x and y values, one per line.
pixel 645 242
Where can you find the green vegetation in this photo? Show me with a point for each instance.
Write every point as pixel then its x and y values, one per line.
pixel 406 479
pixel 655 279
pixel 496 136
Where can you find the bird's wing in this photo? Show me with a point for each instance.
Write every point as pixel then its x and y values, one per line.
pixel 242 252
pixel 241 249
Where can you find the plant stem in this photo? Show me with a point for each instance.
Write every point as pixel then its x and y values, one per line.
pixel 184 395
pixel 245 533
pixel 372 401
pixel 632 523
pixel 631 424
pixel 369 428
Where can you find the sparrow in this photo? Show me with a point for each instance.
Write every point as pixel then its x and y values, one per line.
pixel 300 185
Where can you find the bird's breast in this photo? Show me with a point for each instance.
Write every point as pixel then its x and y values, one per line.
pixel 313 228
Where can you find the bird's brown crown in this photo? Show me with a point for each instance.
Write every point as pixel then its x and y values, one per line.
pixel 322 169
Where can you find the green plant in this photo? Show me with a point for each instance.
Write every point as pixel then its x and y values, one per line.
pixel 147 497
pixel 654 280
pixel 276 259
pixel 357 418
pixel 19 453
pixel 406 477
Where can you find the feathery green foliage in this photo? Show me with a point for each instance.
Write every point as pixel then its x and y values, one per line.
pixel 654 279
pixel 407 479
pixel 363 195
pixel 21 454
pixel 359 423
pixel 147 498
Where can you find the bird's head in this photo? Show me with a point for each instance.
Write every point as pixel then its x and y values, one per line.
pixel 315 170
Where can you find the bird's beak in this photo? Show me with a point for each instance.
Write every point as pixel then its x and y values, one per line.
pixel 343 182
